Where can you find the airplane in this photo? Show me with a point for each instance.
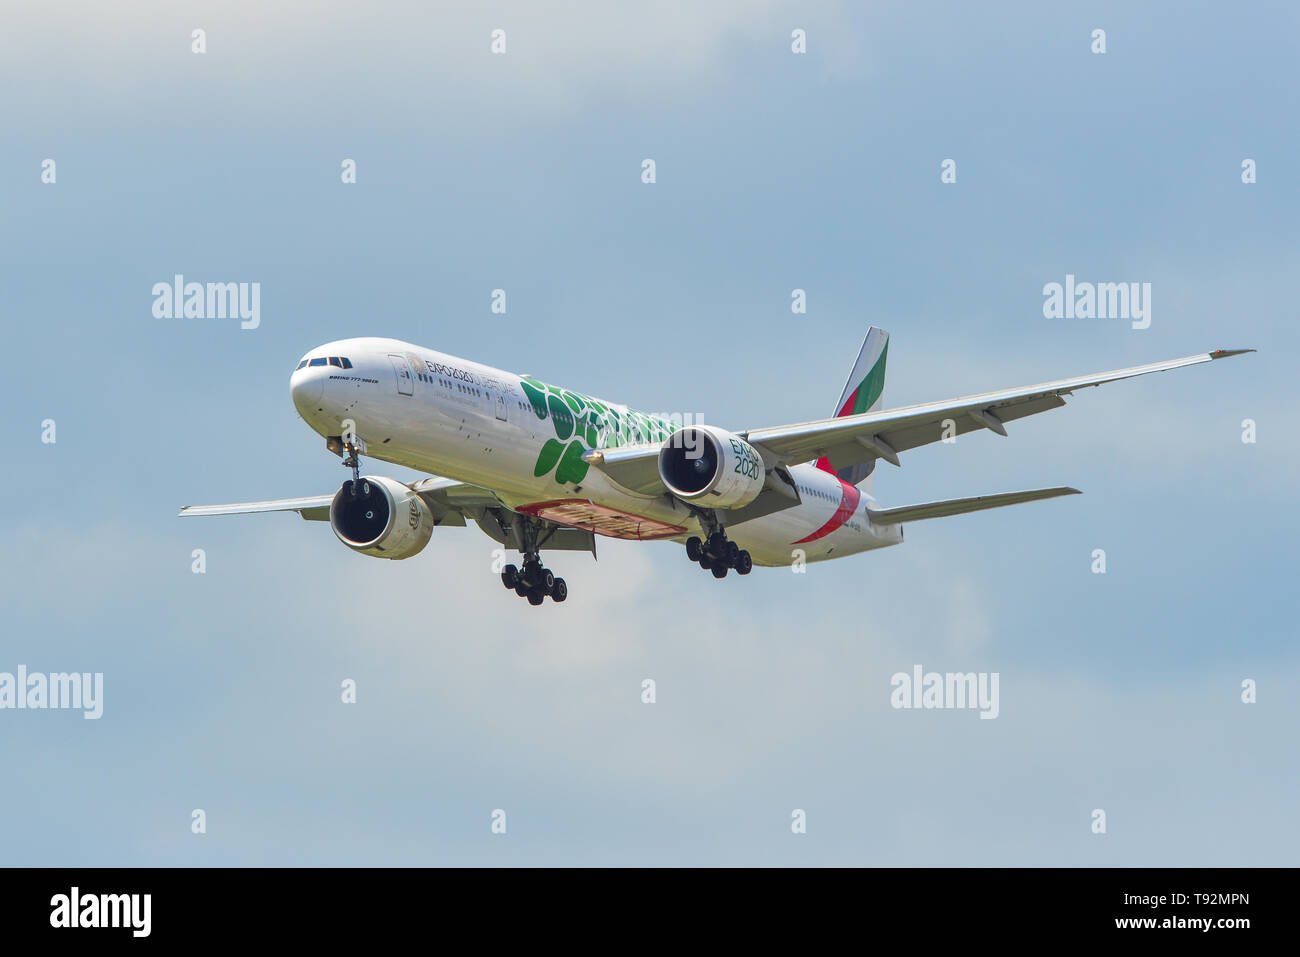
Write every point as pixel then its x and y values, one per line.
pixel 536 465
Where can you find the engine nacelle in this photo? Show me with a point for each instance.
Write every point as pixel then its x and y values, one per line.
pixel 383 518
pixel 710 466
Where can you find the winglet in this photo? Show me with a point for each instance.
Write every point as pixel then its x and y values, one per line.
pixel 1224 353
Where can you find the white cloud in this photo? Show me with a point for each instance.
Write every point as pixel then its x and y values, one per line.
pixel 302 57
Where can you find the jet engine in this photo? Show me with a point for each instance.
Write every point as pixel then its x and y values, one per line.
pixel 380 516
pixel 711 467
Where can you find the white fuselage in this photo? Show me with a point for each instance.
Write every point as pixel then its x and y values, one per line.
pixel 455 418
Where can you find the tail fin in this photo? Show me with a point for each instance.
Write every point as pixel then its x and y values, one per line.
pixel 863 392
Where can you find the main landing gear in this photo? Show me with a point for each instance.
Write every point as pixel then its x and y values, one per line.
pixel 533 581
pixel 717 553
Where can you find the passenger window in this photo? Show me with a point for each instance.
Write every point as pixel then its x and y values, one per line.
pixel 317 362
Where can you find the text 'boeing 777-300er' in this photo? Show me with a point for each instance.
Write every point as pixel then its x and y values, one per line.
pixel 539 466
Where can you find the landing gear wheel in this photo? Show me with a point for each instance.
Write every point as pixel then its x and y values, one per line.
pixel 521 588
pixel 716 553
pixel 535 597
pixel 560 590
pixel 546 581
pixel 510 576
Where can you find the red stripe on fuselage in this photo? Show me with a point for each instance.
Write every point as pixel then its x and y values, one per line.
pixel 849 499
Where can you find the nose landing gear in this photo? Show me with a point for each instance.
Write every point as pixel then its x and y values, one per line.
pixel 352 460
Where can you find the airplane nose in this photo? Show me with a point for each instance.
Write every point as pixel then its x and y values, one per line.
pixel 307 386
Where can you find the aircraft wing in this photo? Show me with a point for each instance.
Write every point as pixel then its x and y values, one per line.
pixel 448 499
pixel 851 439
pixel 314 509
pixel 635 467
pixel 871 435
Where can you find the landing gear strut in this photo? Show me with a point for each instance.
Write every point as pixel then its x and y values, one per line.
pixel 533 581
pixel 716 552
pixel 353 461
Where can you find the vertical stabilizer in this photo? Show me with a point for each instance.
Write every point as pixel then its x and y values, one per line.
pixel 863 392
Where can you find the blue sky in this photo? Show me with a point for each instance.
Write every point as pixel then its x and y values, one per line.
pixel 775 171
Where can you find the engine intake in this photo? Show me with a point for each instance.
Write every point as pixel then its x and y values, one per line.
pixel 705 464
pixel 381 517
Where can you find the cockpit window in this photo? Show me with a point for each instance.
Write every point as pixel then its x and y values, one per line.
pixel 339 362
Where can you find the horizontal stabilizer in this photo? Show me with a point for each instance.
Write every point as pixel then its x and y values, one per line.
pixel 959 506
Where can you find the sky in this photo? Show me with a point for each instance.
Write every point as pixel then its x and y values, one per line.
pixel 774 171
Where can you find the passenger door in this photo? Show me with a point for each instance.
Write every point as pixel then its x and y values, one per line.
pixel 405 381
